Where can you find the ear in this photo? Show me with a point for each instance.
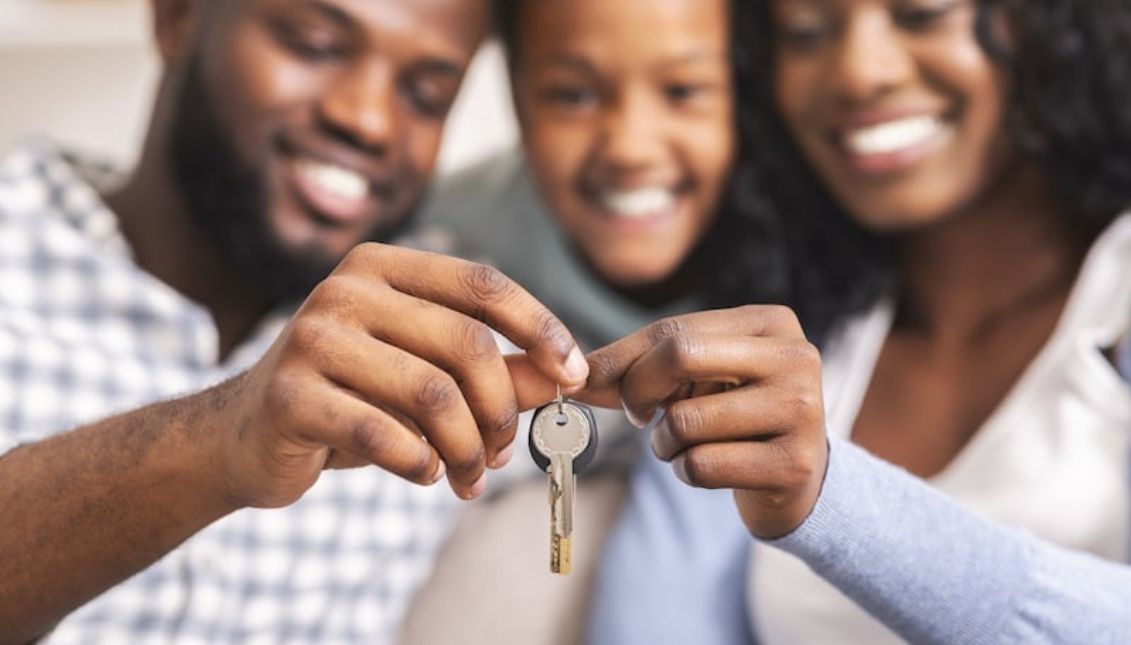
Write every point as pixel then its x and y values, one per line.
pixel 172 26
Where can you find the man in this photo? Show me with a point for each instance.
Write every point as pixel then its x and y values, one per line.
pixel 284 134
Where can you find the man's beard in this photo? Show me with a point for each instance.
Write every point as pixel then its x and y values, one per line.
pixel 230 201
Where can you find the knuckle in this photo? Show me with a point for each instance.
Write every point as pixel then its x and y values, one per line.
pixel 363 255
pixel 473 462
pixel 683 352
pixel 436 393
pixel 486 282
pixel 421 468
pixel 684 423
pixel 368 437
pixel 282 394
pixel 781 315
pixel 308 333
pixel 699 467
pixel 551 331
pixel 475 342
pixel 602 368
pixel 802 355
pixel 504 421
pixel 335 293
pixel 663 329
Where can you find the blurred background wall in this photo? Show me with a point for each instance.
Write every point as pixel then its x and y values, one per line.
pixel 82 72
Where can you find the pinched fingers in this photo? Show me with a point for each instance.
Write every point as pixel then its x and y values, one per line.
pixel 678 367
pixel 483 293
pixel 389 378
pixel 776 482
pixel 459 345
pixel 609 364
pixel 751 413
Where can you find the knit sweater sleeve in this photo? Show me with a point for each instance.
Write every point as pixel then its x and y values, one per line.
pixel 937 573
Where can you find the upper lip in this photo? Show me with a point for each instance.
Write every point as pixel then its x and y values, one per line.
pixel 381 183
pixel 857 120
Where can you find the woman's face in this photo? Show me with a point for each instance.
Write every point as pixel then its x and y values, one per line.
pixel 894 103
pixel 626 114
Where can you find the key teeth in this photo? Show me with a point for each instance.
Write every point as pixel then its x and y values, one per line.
pixel 561 555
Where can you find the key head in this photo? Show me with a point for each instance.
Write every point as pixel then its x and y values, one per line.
pixel 571 431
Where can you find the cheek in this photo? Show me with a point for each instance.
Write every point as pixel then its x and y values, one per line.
pixel 421 141
pixel 712 152
pixel 789 95
pixel 557 151
pixel 257 84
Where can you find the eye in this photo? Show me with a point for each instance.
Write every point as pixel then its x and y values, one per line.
pixel 310 43
pixel 685 92
pixel 923 17
pixel 801 34
pixel 571 96
pixel 430 98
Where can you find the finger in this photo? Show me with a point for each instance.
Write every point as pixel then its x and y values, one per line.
pixel 676 362
pixel 751 413
pixel 485 294
pixel 458 344
pixel 609 364
pixel 532 387
pixel 360 433
pixel 387 377
pixel 777 466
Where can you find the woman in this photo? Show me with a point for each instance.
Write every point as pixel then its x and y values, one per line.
pixel 612 216
pixel 949 178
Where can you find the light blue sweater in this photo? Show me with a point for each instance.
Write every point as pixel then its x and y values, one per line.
pixel 925 566
pixel 937 573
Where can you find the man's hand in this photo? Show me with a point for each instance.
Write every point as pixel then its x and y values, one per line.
pixel 739 392
pixel 391 361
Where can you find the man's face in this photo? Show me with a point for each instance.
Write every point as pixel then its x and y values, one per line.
pixel 304 127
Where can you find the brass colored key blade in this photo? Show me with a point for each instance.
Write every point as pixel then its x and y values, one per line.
pixel 561 513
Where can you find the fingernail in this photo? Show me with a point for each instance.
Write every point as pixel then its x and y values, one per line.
pixel 441 470
pixel 679 465
pixel 577 368
pixel 503 458
pixel 478 487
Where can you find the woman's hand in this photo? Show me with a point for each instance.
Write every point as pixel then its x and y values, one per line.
pixel 739 398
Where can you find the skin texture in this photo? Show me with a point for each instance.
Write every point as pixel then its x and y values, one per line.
pixel 741 394
pixel 604 111
pixel 845 65
pixel 985 258
pixel 86 509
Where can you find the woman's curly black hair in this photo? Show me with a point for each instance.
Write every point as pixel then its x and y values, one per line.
pixel 781 237
pixel 1068 110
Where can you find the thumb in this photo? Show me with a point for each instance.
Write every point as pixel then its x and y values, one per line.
pixel 533 388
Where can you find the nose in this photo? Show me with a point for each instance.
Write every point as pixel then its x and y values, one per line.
pixel 360 106
pixel 871 60
pixel 632 133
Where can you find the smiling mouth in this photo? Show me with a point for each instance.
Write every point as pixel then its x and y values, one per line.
pixel 638 207
pixel 893 136
pixel 338 195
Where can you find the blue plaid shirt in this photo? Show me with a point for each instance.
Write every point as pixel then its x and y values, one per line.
pixel 84 333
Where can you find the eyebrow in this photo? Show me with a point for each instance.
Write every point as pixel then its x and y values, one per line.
pixel 440 66
pixel 581 64
pixel 331 12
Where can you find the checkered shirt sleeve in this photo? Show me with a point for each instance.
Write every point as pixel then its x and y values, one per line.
pixel 85 333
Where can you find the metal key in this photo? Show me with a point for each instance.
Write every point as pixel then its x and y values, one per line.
pixel 563 440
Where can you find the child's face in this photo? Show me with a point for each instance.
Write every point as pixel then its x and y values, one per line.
pixel 626 112
pixel 893 102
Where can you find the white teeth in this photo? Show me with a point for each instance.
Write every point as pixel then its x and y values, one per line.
pixel 336 180
pixel 893 136
pixel 638 203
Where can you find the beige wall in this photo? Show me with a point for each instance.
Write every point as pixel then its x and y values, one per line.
pixel 82 72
